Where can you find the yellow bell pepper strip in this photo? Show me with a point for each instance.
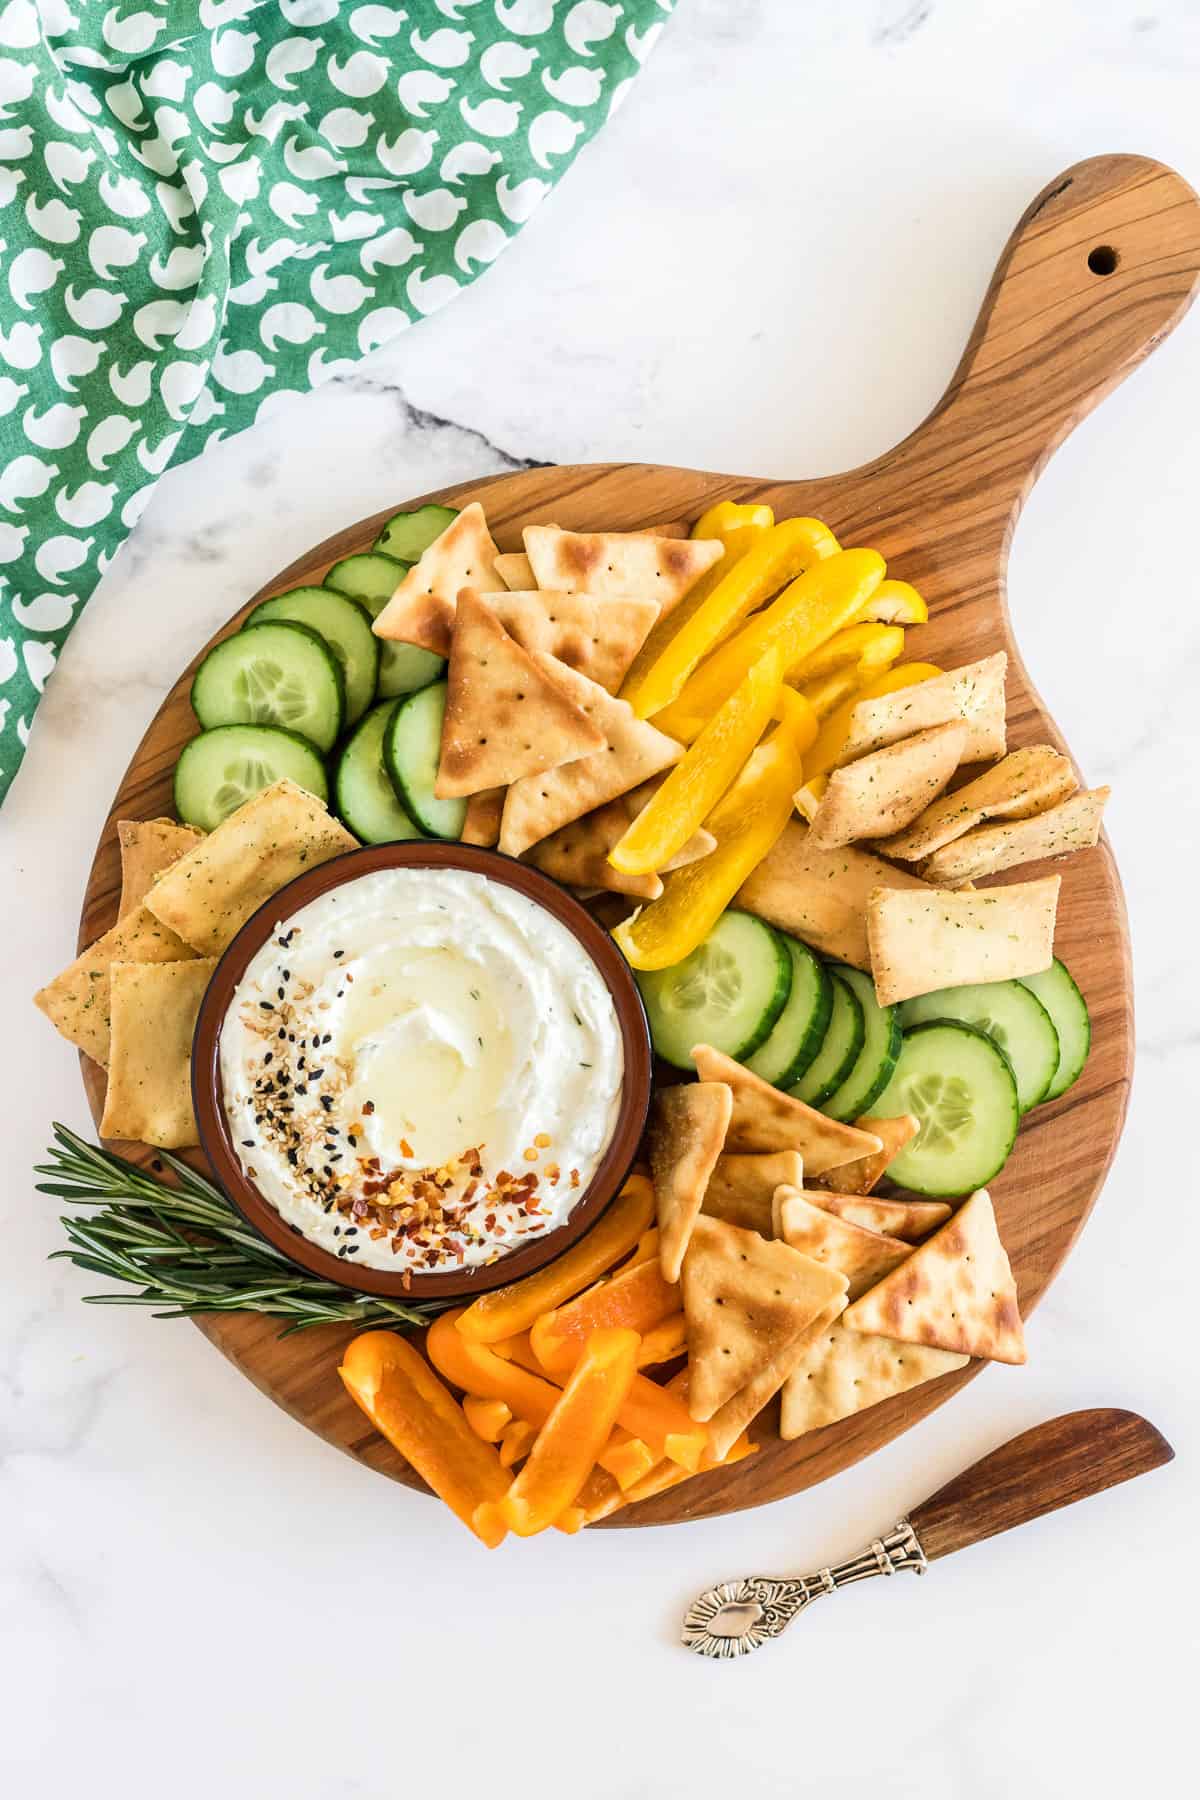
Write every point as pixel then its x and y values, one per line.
pixel 508 1310
pixel 487 1418
pixel 747 824
pixel 779 556
pixel 637 1299
pixel 830 691
pixel 404 1400
pixel 894 603
pixel 809 797
pixel 824 753
pixel 818 603
pixel 878 646
pixel 564 1451
pixel 737 527
pixel 517 1442
pixel 693 786
pixel 663 1342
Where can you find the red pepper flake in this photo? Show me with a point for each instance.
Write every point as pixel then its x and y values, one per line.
pixel 368 1107
pixel 574 1178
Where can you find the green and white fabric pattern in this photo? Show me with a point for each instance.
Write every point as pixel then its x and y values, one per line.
pixel 210 206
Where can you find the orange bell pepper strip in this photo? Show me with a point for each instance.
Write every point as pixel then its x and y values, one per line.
pixel 814 606
pixel 517 1441
pixel 664 1341
pixel 599 1497
pixel 824 753
pixel 508 1310
pixel 894 603
pixel 403 1398
pixel 747 824
pixel 646 1250
pixel 487 1418
pixel 564 1451
pixel 779 556
pixel 738 527
pixel 637 1299
pixel 626 1458
pixel 868 648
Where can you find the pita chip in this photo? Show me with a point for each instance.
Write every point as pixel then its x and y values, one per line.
pixel 421 611
pixel 766 1119
pixel 974 693
pixel 861 1177
pixel 634 563
pixel 887 789
pixel 921 942
pixel 578 853
pixel 1024 783
pixel 631 751
pixel 843 1372
pixel 1072 825
pixel 597 638
pixel 730 1420
pixel 482 822
pixel 955 1292
pixel 863 1257
pixel 148 846
pixel 515 571
pixel 687 1128
pixel 506 716
pixel 741 1186
pixel 207 896
pixel 78 1003
pixel 908 1219
pixel 821 895
pixel 746 1299
pixel 154 1007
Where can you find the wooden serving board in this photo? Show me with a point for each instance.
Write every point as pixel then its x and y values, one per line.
pixel 1103 264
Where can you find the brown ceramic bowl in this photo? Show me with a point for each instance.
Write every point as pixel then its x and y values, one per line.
pixel 213 1125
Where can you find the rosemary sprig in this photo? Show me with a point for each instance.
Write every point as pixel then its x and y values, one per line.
pixel 186 1249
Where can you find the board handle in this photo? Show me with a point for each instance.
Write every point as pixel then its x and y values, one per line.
pixel 1102 266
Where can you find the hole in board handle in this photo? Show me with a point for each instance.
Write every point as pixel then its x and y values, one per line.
pixel 1103 260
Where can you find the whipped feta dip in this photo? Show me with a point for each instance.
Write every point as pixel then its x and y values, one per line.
pixel 421 1070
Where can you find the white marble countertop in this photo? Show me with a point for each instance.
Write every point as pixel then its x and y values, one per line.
pixel 769 263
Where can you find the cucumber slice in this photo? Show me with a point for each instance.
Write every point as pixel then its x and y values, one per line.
pixel 1013 1017
pixel 960 1084
pixel 277 673
pixel 373 579
pixel 345 624
pixel 875 1061
pixel 412 744
pixel 839 1048
pixel 1060 996
pixel 221 768
pixel 408 534
pixel 362 788
pixel 799 1031
pixel 728 992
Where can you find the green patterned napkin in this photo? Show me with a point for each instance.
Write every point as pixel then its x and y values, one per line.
pixel 207 206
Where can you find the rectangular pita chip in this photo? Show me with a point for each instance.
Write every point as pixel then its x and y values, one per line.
pixel 619 562
pixel 955 1292
pixel 820 895
pixel 908 1219
pixel 207 896
pixel 843 1372
pixel 921 942
pixel 766 1119
pixel 861 1177
pixel 887 789
pixel 741 1186
pixel 1072 825
pixel 687 1129
pixel 863 1257
pixel 730 1420
pixel 482 822
pixel 974 693
pixel 154 1007
pixel 515 571
pixel 421 611
pixel 596 637
pixel 1024 783
pixel 78 1003
pixel 148 846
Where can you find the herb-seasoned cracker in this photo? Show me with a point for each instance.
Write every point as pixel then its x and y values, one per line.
pixel 922 942
pixel 765 1119
pixel 148 846
pixel 843 1372
pixel 596 637
pixel 619 562
pixel 687 1129
pixel 974 693
pixel 820 895
pixel 421 611
pixel 908 1219
pixel 861 1177
pixel 741 1186
pixel 1072 825
pixel 154 1007
pixel 863 1257
pixel 78 1003
pixel 889 788
pixel 1024 783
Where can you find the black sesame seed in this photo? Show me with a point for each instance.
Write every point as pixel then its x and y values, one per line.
pixel 269 1057
pixel 328 1038
pixel 248 1143
pixel 327 1099
pixel 267 1005
pixel 351 1249
pixel 313 1074
pixel 292 1157
pixel 338 953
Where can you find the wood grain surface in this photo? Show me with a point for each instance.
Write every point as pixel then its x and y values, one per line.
pixel 1103 264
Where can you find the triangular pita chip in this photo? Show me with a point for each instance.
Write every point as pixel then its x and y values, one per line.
pixel 619 562
pixel 154 1007
pixel 908 1219
pixel 632 751
pixel 1025 783
pixel 974 693
pixel 740 1187
pixel 863 1257
pixel 955 1291
pixel 596 637
pixel 922 942
pixel 513 568
pixel 843 1372
pixel 578 853
pixel 482 822
pixel 1072 825
pixel 888 789
pixel 820 896
pixel 78 1003
pixel 766 1119
pixel 506 716
pixel 730 1420
pixel 148 846
pixel 746 1299
pixel 860 1177
pixel 421 611
pixel 687 1128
